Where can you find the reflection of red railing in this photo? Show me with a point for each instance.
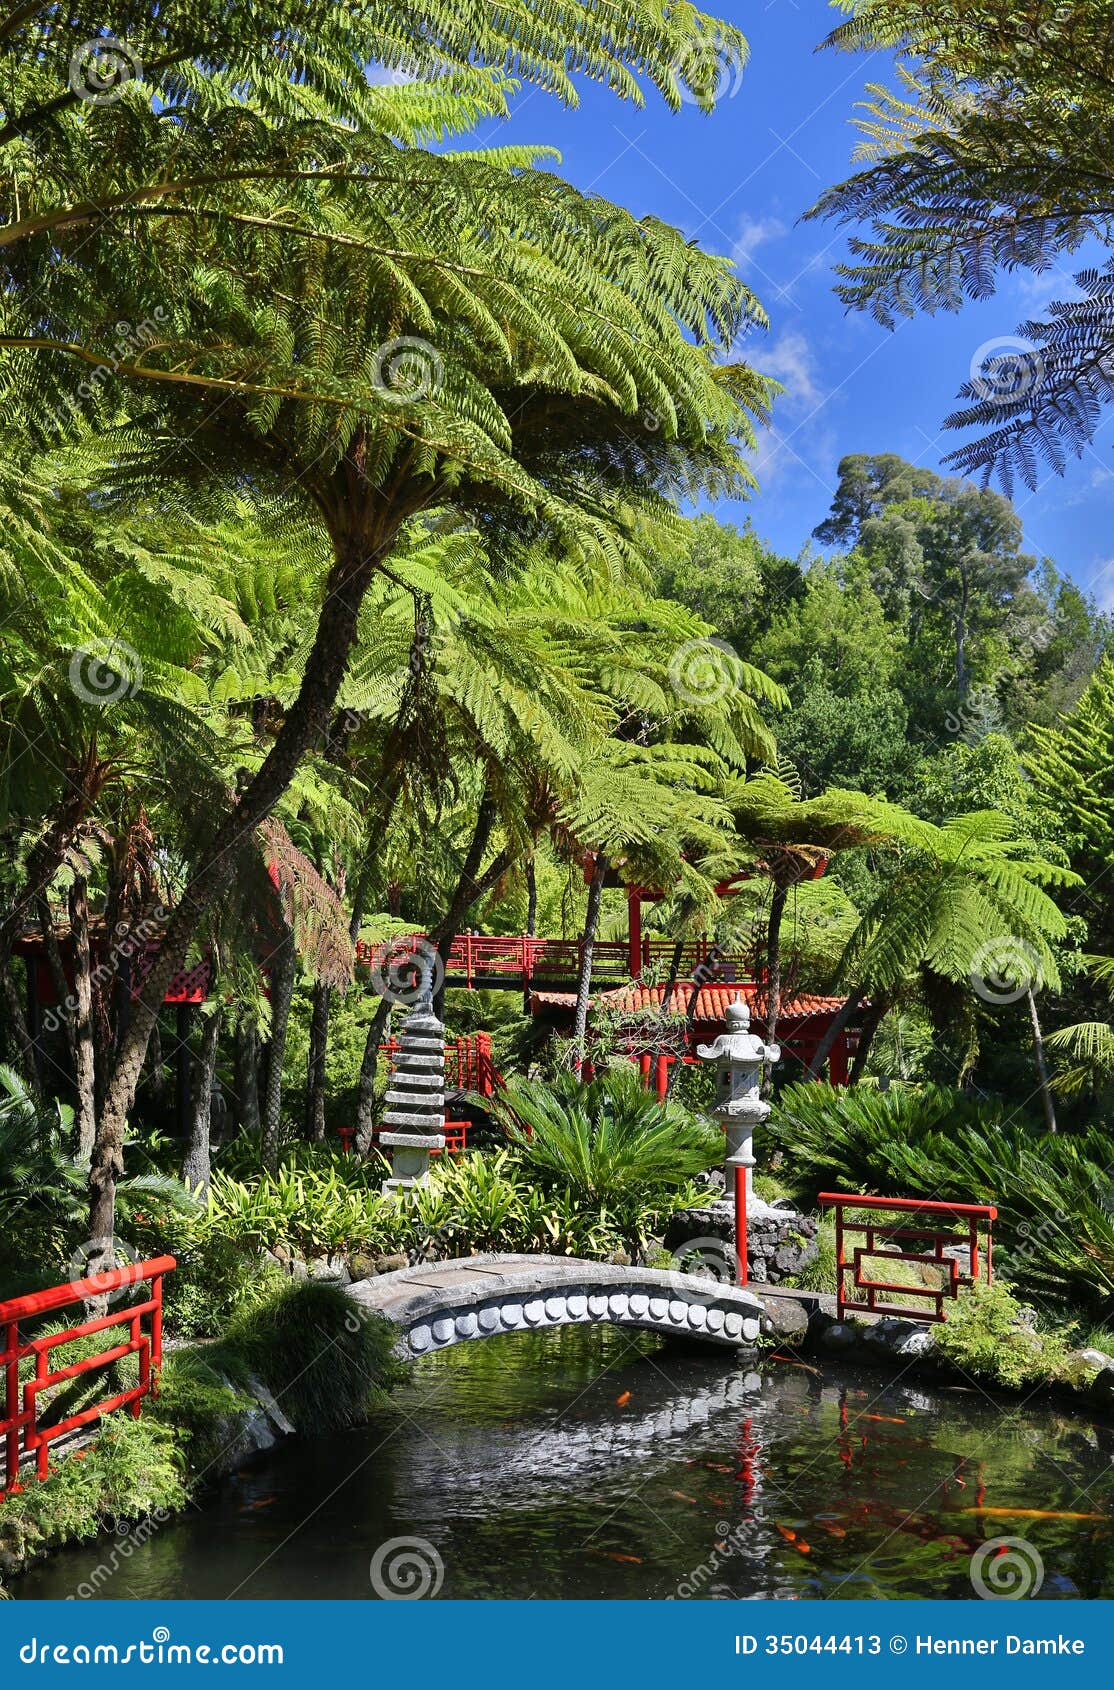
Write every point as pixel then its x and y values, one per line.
pixel 480 956
pixel 940 1257
pixel 20 1424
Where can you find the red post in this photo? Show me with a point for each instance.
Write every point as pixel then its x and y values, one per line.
pixel 837 1062
pixel 11 1408
pixel 661 1075
pixel 741 1222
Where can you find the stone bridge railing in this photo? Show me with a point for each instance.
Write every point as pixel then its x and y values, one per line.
pixel 452 1302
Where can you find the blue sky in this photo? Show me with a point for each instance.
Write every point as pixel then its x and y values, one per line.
pixel 739 181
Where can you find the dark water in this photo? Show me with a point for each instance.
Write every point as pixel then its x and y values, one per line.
pixel 593 1463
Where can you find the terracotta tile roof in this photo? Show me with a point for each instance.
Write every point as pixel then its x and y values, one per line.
pixel 711 1005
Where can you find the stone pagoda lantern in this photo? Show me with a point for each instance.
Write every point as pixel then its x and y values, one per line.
pixel 739 1056
pixel 414 1121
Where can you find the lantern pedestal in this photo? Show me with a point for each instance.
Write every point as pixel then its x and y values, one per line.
pixel 739 1057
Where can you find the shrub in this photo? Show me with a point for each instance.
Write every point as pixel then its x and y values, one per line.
pixel 1054 1227
pixel 984 1336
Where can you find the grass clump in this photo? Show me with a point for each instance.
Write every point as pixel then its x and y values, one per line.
pixel 325 1360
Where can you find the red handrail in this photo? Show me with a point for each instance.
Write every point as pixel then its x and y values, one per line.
pixel 931 1244
pixel 20 1423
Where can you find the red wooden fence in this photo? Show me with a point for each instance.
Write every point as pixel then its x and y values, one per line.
pixel 482 956
pixel 937 1250
pixel 20 1431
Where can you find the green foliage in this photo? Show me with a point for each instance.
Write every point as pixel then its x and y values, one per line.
pixel 326 1362
pixel 317 1211
pixel 133 1471
pixel 985 1336
pixel 609 1141
pixel 1055 1231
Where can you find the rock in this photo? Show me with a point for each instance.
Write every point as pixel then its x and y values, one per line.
pixel 269 1404
pixel 781 1244
pixel 1101 1388
pixel 840 1337
pixel 392 1263
pixel 361 1266
pixel 899 1338
pixel 1081 1364
pixel 785 1318
pixel 331 1270
pixel 619 1258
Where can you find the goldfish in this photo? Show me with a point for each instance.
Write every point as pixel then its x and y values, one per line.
pixel 621 1402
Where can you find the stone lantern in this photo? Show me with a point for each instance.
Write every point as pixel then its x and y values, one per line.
pixel 739 1056
pixel 415 1115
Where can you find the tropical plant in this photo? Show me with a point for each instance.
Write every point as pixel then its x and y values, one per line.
pixel 610 1141
pixel 993 154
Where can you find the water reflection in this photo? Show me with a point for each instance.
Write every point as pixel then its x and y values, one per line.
pixel 596 1463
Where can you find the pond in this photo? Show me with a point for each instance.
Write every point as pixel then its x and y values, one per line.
pixel 596 1463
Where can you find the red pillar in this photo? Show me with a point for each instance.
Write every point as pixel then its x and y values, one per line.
pixel 661 1075
pixel 634 931
pixel 837 1062
pixel 741 1222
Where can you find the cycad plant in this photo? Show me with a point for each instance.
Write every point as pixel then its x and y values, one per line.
pixel 610 1143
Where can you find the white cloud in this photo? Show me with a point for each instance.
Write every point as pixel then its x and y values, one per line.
pixel 753 233
pixel 792 362
pixel 1102 584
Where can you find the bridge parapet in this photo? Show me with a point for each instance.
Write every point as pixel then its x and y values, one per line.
pixel 446 1303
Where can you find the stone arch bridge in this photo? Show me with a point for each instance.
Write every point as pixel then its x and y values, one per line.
pixel 445 1303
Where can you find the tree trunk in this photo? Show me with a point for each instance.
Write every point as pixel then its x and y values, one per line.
pixel 196 1166
pixel 1042 1065
pixel 587 951
pixel 282 990
pixel 778 899
pixel 85 1079
pixel 961 678
pixel 872 1020
pixel 315 1077
pixel 57 975
pixel 305 725
pixel 379 1031
pixel 24 1043
pixel 531 897
pixel 247 1076
pixel 838 1025
pixel 156 1078
pixel 47 856
pixel 675 962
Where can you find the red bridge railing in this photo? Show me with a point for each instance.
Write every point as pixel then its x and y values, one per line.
pixel 20 1431
pixel 949 1232
pixel 529 960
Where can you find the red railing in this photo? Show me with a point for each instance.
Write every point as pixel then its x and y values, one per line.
pixel 20 1431
pixel 481 956
pixel 939 1258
